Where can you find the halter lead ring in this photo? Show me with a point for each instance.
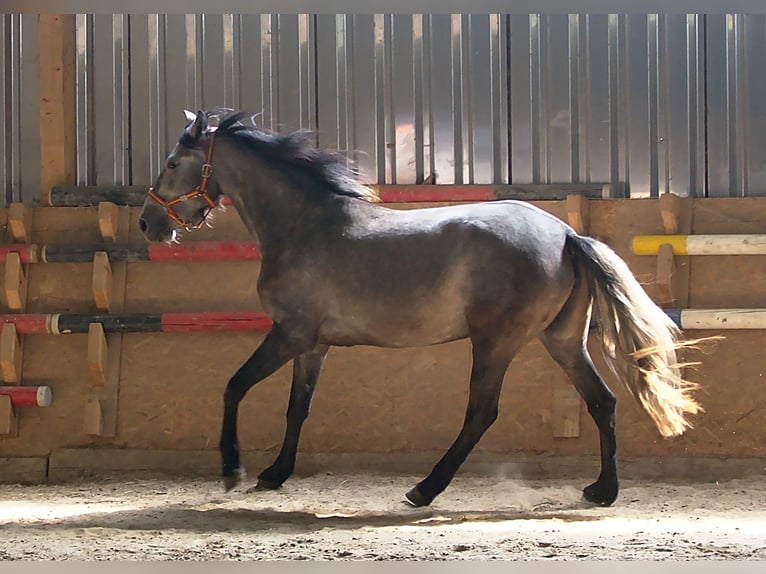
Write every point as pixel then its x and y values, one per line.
pixel 199 191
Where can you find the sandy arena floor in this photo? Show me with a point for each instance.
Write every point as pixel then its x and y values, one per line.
pixel 363 517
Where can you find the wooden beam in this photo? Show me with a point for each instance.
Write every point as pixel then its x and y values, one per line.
pixel 58 108
pixel 10 354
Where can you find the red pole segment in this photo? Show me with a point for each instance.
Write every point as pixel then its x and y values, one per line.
pixel 28 253
pixel 29 323
pixel 435 193
pixel 205 251
pixel 190 322
pixel 28 396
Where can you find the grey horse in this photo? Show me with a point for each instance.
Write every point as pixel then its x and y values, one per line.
pixel 339 268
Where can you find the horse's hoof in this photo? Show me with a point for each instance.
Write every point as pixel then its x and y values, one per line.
pixel 264 484
pixel 598 494
pixel 233 479
pixel 416 498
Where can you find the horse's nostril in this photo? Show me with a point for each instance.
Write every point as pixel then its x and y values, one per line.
pixel 142 225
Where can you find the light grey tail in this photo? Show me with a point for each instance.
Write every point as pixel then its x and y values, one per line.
pixel 639 341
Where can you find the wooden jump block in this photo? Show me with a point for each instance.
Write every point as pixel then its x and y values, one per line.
pixel 10 354
pixel 93 419
pixel 98 351
pixel 103 283
pixel 667 275
pixel 578 213
pixel 15 283
pixel 8 421
pixel 108 217
pixel 20 222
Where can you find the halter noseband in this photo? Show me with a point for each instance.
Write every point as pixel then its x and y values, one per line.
pixel 199 191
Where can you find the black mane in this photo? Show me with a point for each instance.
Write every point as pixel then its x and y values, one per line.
pixel 328 168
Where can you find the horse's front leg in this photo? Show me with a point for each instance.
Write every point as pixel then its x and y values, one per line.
pixel 306 371
pixel 277 348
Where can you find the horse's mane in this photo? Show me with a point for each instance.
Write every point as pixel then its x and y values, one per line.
pixel 329 169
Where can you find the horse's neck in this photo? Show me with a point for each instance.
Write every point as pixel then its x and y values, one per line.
pixel 272 206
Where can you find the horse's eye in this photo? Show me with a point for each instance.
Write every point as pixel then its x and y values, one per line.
pixel 172 164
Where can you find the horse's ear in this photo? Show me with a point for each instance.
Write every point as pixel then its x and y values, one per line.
pixel 198 126
pixel 190 116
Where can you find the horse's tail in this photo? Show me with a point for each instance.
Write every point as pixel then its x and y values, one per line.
pixel 639 341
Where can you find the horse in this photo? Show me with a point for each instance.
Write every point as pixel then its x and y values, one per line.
pixel 340 269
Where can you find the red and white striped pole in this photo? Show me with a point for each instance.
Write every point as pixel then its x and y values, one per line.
pixel 28 396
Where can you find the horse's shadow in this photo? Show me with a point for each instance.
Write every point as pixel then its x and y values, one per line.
pixel 216 517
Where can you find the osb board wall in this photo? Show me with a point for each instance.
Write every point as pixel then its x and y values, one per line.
pixel 372 400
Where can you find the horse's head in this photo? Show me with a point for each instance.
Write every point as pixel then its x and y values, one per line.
pixel 185 191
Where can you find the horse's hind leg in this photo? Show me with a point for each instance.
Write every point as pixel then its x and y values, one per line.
pixel 490 361
pixel 306 371
pixel 565 340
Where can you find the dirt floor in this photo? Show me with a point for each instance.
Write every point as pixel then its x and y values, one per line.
pixel 363 517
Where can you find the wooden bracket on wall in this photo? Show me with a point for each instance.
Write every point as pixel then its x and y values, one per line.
pixel 10 354
pixel 667 275
pixel 103 282
pixel 105 350
pixel 672 279
pixel 15 283
pixel 93 419
pixel 98 351
pixel 578 213
pixel 9 424
pixel 20 222
pixel 670 211
pixel 108 219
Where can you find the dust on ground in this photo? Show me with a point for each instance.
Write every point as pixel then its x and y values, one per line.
pixel 364 517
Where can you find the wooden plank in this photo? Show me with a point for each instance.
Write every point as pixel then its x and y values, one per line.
pixel 58 109
pixel 10 354
pixel 98 350
pixel 15 283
